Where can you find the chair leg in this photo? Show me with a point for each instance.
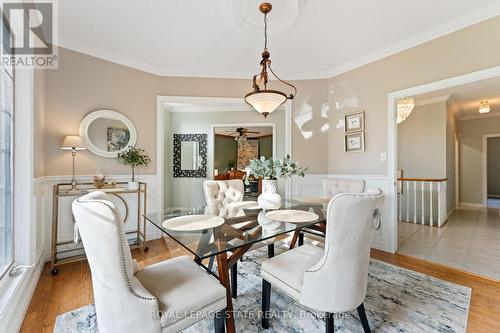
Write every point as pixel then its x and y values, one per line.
pixel 329 322
pixel 211 263
pixel 270 250
pixel 219 321
pixel 363 319
pixel 301 239
pixel 266 303
pixel 234 281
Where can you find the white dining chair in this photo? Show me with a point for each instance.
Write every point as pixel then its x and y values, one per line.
pixel 222 192
pixel 333 279
pixel 165 297
pixel 219 194
pixel 330 188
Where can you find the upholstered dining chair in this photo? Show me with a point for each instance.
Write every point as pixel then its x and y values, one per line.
pixel 330 188
pixel 333 280
pixel 164 297
pixel 219 193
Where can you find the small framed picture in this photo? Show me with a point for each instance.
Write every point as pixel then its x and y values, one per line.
pixel 354 122
pixel 354 142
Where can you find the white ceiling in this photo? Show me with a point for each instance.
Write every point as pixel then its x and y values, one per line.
pixel 466 98
pixel 217 38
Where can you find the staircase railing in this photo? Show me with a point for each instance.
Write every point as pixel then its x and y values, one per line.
pixel 422 200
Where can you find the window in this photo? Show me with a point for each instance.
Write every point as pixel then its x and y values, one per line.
pixel 6 168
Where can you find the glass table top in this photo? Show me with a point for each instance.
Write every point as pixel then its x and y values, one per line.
pixel 243 225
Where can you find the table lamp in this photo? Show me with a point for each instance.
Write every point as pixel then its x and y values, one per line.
pixel 73 143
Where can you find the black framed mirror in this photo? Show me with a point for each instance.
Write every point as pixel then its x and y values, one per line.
pixel 190 155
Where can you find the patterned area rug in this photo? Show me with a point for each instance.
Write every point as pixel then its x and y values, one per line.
pixel 398 300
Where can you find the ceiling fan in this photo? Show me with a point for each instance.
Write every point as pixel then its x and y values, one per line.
pixel 241 134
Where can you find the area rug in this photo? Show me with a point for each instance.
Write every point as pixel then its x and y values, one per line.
pixel 398 300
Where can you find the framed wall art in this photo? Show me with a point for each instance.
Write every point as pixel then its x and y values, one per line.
pixel 354 142
pixel 354 122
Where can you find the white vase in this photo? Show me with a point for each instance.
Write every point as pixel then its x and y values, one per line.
pixel 133 186
pixel 269 199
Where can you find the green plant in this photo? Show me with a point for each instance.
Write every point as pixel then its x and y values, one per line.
pixel 274 168
pixel 134 157
pixel 231 164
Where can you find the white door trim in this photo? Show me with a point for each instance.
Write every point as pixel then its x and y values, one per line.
pixel 484 167
pixel 215 104
pixel 392 129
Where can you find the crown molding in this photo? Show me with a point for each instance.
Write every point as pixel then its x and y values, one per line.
pixel 455 109
pixel 428 35
pixel 458 23
pixel 480 116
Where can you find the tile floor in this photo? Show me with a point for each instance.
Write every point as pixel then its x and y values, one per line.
pixel 469 241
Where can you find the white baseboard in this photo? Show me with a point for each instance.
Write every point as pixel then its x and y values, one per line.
pixel 471 204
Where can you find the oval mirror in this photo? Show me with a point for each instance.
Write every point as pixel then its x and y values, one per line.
pixel 107 132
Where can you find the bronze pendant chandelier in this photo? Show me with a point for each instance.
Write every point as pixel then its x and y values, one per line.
pixel 266 100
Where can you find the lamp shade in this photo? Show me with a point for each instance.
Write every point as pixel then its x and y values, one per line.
pixel 266 101
pixel 73 142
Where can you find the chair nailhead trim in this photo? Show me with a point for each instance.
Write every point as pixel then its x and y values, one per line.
pixel 202 308
pixel 122 251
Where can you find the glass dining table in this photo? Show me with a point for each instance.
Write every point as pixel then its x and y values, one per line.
pixel 240 226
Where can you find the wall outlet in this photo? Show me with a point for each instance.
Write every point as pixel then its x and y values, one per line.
pixel 383 157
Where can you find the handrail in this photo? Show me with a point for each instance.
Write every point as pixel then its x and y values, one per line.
pixel 435 180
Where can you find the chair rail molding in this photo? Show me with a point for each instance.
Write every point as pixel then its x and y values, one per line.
pixel 43 187
pixel 392 133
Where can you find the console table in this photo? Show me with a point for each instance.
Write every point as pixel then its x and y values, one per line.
pixel 76 253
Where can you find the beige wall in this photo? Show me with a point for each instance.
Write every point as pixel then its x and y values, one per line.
pixel 422 142
pixel 84 83
pixel 471 145
pixel 494 167
pixel 367 88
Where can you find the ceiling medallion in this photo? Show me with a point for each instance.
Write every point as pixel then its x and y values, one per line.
pixel 249 19
pixel 265 100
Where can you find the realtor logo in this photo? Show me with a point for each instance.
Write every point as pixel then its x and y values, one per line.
pixel 28 31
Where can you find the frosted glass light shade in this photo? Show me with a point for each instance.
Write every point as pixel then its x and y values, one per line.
pixel 405 107
pixel 265 102
pixel 73 142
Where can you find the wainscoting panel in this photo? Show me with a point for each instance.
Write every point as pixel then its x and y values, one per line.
pixel 311 186
pixel 43 188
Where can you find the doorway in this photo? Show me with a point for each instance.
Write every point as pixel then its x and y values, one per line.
pixel 491 167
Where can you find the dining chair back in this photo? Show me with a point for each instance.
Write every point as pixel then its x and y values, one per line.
pixel 332 186
pixel 338 281
pixel 121 301
pixel 221 192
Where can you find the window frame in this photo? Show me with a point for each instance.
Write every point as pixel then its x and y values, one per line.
pixel 12 76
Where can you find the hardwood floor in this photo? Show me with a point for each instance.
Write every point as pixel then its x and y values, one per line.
pixel 72 288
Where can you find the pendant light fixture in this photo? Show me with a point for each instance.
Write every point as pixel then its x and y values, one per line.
pixel 484 107
pixel 262 99
pixel 404 108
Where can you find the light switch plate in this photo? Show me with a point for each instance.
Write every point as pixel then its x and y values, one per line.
pixel 383 157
